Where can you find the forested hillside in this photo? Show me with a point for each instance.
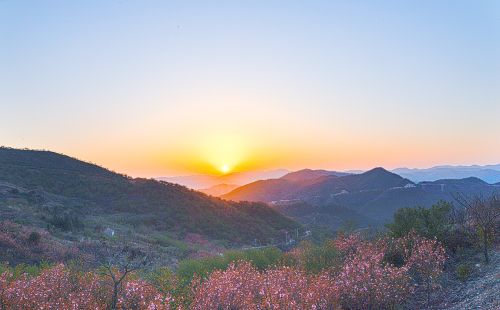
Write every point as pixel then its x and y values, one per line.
pixel 81 200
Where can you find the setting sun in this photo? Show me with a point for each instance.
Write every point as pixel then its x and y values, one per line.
pixel 224 152
pixel 225 169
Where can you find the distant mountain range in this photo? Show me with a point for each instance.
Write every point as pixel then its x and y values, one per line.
pixel 280 188
pixel 305 184
pixel 488 173
pixel 203 181
pixel 370 196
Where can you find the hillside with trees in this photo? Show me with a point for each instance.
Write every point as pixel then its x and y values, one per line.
pixel 71 200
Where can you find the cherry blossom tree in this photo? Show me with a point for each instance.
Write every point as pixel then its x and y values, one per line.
pixel 426 257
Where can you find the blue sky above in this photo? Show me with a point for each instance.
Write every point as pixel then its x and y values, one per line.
pixel 135 85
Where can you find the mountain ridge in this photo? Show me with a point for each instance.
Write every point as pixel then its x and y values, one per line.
pixel 312 186
pixel 488 173
pixel 376 193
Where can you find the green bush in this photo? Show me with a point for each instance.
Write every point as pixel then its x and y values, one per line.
pixel 162 278
pixel 66 222
pixel 427 222
pixel 259 258
pixel 34 238
pixel 24 269
pixel 176 247
pixel 314 258
pixel 463 272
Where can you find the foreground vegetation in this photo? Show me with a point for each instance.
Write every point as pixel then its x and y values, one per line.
pixel 348 272
pixel 359 270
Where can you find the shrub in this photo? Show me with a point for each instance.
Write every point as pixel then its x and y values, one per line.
pixel 21 244
pixel 138 294
pixel 430 223
pixel 34 238
pixel 483 214
pixel 242 286
pixel 463 272
pixel 238 287
pixel 259 258
pixel 53 288
pixel 395 253
pixel 366 282
pixel 61 288
pixel 426 258
pixel 66 222
pixel 315 258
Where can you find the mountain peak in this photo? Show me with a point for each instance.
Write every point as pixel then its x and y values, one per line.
pixel 378 171
pixel 382 177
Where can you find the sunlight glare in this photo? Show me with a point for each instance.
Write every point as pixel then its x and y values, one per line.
pixel 225 169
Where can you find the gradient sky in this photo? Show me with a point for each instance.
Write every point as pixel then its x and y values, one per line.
pixel 154 88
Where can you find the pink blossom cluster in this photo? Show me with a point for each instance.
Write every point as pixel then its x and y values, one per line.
pixel 58 288
pixel 54 288
pixel 241 286
pixel 348 244
pixel 139 294
pixel 365 280
pixel 426 257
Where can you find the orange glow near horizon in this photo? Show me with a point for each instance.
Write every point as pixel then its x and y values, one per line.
pixel 225 145
pixel 222 154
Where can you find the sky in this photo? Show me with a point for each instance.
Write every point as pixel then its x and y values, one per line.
pixel 157 88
